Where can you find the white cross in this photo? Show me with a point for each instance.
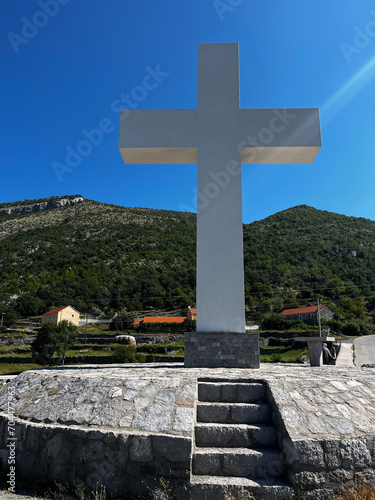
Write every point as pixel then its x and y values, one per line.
pixel 219 137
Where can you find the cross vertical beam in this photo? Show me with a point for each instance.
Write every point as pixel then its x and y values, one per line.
pixel 220 273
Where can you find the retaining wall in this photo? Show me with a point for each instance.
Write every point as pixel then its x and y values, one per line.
pixel 127 465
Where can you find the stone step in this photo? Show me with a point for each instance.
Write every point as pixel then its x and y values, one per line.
pixel 223 488
pixel 235 435
pixel 238 462
pixel 231 392
pixel 233 413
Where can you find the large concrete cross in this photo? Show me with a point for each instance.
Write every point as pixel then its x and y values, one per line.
pixel 219 137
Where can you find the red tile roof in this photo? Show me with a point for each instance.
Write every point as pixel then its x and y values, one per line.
pixel 137 321
pixel 158 319
pixel 193 310
pixel 53 311
pixel 301 310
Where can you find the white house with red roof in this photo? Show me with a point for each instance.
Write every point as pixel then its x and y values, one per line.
pixel 58 314
pixel 309 314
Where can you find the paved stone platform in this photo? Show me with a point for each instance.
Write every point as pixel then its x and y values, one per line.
pixel 111 421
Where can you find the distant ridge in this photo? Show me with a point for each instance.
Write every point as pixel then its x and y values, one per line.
pixel 101 257
pixel 28 206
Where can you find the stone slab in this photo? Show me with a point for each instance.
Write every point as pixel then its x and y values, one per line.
pixel 315 347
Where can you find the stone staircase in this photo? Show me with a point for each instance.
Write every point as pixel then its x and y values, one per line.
pixel 236 449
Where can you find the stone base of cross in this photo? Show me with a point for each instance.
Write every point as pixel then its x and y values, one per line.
pixel 219 136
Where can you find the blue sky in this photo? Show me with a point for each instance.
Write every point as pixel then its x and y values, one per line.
pixel 65 64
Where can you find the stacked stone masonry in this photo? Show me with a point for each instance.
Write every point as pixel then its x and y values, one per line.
pixel 214 350
pixel 127 426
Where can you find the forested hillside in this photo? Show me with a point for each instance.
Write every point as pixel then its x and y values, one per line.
pixel 103 258
pixel 97 256
pixel 297 255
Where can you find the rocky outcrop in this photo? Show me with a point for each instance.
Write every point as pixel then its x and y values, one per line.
pixel 44 205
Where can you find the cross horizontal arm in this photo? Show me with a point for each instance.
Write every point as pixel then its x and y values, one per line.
pixel 159 136
pixel 279 135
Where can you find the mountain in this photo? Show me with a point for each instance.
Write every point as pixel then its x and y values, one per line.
pixel 301 253
pixel 93 255
pixel 102 257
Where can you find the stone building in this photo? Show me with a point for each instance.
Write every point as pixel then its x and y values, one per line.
pixel 58 314
pixel 309 314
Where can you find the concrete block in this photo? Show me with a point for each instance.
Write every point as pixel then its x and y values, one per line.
pixel 354 453
pixel 222 435
pixel 331 453
pixel 235 436
pixel 209 392
pixel 140 449
pixel 250 413
pixel 264 436
pixel 303 453
pixel 308 480
pixel 229 393
pixel 252 463
pixel 206 464
pixel 219 413
pixel 251 393
pixel 171 448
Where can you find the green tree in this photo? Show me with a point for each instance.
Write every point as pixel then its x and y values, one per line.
pixel 275 321
pixel 351 329
pixel 11 318
pixel 45 342
pixel 189 325
pixel 28 304
pixel 55 339
pixel 122 323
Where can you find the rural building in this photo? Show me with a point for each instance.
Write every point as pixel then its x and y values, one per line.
pixel 309 314
pixel 192 313
pixel 67 313
pixel 162 324
pixel 137 323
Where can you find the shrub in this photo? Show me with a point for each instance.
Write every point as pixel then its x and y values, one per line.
pixel 334 324
pixel 351 329
pixel 274 321
pixel 125 354
pixel 357 492
pixel 11 319
pixel 160 348
pixel 189 325
pixel 122 323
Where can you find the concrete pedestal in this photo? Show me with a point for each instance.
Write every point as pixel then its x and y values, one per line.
pixel 315 347
pixel 218 349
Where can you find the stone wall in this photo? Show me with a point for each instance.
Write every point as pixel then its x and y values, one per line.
pixel 97 360
pixel 140 339
pixel 231 350
pixel 126 426
pixel 326 431
pixel 323 466
pixel 126 464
